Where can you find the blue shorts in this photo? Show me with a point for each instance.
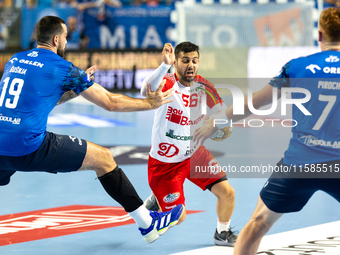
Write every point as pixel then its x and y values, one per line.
pixel 57 153
pixel 284 193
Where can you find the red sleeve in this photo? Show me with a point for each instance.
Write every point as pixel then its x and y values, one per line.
pixel 170 81
pixel 213 98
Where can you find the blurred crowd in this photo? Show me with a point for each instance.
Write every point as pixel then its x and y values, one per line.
pixel 80 4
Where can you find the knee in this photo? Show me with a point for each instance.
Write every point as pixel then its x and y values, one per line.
pixel 260 222
pixel 224 191
pixel 106 162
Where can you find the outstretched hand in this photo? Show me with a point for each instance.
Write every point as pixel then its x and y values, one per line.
pixel 158 97
pixel 205 131
pixel 90 71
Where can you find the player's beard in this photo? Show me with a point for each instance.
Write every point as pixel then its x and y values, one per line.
pixel 61 51
pixel 188 79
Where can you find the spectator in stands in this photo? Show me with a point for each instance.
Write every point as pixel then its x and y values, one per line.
pixel 100 4
pixel 76 38
pixel 30 4
pixel 6 4
pixel 67 4
pixel 152 3
pixel 3 35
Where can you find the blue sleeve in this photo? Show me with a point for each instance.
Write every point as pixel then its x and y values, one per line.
pixel 76 80
pixel 282 79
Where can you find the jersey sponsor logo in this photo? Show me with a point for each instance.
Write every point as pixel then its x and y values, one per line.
pixel 312 68
pixel 331 70
pixel 167 150
pixel 18 69
pixel 310 140
pixel 12 60
pixel 191 151
pixel 332 59
pixel 33 54
pixel 172 197
pixel 326 69
pixel 15 121
pixel 30 62
pixel 177 137
pixel 175 116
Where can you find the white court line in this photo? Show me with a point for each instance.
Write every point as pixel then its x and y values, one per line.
pixel 319 239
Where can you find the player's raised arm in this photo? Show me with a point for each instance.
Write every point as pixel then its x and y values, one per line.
pixel 155 78
pixel 121 103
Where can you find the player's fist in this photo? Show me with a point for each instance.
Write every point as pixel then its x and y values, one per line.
pixel 168 54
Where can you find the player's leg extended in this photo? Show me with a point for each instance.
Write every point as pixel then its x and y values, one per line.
pixel 250 237
pixel 118 186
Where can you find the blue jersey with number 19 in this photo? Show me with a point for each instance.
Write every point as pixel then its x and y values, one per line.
pixel 316 137
pixel 32 84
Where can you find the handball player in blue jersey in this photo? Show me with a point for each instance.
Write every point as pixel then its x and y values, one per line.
pixel 33 83
pixel 314 149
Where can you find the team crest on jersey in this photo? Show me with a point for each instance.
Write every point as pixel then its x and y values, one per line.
pixel 172 197
pixel 33 54
pixel 332 59
pixel 167 150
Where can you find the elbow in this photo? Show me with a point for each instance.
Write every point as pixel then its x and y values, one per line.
pixel 113 107
pixel 143 89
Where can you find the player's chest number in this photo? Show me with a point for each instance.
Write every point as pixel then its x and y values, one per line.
pixel 14 90
pixel 191 100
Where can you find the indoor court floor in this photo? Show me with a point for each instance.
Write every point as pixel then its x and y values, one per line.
pixel 71 214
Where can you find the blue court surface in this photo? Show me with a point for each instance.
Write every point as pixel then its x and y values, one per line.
pixel 71 214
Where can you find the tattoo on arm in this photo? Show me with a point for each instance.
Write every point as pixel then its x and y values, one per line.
pixel 68 95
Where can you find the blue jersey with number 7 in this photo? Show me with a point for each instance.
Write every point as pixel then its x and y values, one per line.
pixel 316 137
pixel 32 84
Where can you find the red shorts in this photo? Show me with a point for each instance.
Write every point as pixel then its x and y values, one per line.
pixel 166 179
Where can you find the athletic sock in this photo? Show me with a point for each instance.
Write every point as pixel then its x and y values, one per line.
pixel 222 226
pixel 142 217
pixel 119 187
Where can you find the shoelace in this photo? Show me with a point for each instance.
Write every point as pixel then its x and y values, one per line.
pixel 234 232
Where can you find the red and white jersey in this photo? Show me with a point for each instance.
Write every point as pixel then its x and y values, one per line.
pixel 175 123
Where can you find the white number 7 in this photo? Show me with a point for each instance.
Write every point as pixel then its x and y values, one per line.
pixel 12 91
pixel 331 101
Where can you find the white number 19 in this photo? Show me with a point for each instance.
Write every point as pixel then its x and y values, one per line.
pixel 12 91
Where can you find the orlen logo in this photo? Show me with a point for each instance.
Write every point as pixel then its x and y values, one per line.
pixel 312 68
pixel 167 150
pixel 172 197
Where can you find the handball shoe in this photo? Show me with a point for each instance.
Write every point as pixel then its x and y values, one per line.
pixel 225 238
pixel 161 222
